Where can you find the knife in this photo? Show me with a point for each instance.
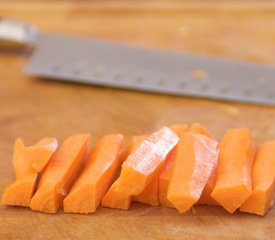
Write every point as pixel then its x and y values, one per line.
pixel 106 63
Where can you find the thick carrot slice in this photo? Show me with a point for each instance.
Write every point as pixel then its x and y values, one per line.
pixel 96 177
pixel 40 153
pixel 150 194
pixel 233 185
pixel 145 163
pixel 20 192
pixel 115 199
pixel 263 181
pixel 60 174
pixel 206 197
pixel 166 172
pixel 195 158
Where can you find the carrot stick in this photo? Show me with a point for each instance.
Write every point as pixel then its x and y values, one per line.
pixel 144 164
pixel 96 177
pixel 19 193
pixel 60 174
pixel 194 161
pixel 166 172
pixel 263 181
pixel 199 129
pixel 233 185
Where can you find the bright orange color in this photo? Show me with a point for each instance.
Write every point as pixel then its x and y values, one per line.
pixel 199 129
pixel 60 174
pixel 233 185
pixel 195 159
pixel 263 181
pixel 97 176
pixel 115 199
pixel 40 153
pixel 145 163
pixel 166 172
pixel 20 192
pixel 179 128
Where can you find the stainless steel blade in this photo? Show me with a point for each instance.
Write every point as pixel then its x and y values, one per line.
pixel 117 65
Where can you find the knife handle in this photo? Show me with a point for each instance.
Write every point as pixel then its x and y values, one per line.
pixel 16 35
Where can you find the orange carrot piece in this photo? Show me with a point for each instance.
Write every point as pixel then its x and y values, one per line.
pixel 150 194
pixel 263 181
pixel 20 192
pixel 195 158
pixel 166 172
pixel 199 129
pixel 97 176
pixel 40 153
pixel 115 199
pixel 233 185
pixel 179 128
pixel 145 163
pixel 206 197
pixel 60 174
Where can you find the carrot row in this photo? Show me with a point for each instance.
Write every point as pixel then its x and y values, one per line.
pixel 175 167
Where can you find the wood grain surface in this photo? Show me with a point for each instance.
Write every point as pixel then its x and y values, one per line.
pixel 33 108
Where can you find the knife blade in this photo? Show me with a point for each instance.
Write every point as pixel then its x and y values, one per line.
pixel 106 63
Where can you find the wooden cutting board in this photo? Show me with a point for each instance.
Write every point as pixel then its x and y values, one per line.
pixel 33 108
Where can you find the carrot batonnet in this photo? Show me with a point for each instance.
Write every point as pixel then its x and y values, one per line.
pixel 199 129
pixel 145 163
pixel 195 159
pixel 20 192
pixel 164 177
pixel 96 177
pixel 233 184
pixel 263 181
pixel 60 174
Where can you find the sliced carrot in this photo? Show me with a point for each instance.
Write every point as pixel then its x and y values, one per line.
pixel 96 177
pixel 179 128
pixel 40 153
pixel 263 181
pixel 233 185
pixel 20 192
pixel 145 163
pixel 166 172
pixel 195 158
pixel 150 194
pixel 115 199
pixel 199 129
pixel 206 197
pixel 60 174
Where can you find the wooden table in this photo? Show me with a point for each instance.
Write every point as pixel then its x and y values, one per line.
pixel 33 108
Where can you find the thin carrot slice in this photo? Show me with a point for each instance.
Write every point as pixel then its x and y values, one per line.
pixel 60 174
pixel 144 164
pixel 263 181
pixel 20 192
pixel 40 153
pixel 233 185
pixel 115 199
pixel 199 129
pixel 194 161
pixel 166 172
pixel 97 176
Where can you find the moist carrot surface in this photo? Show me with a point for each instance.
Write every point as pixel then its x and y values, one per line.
pixel 263 181
pixel 98 174
pixel 20 192
pixel 165 174
pixel 145 163
pixel 233 185
pixel 60 174
pixel 40 153
pixel 195 159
